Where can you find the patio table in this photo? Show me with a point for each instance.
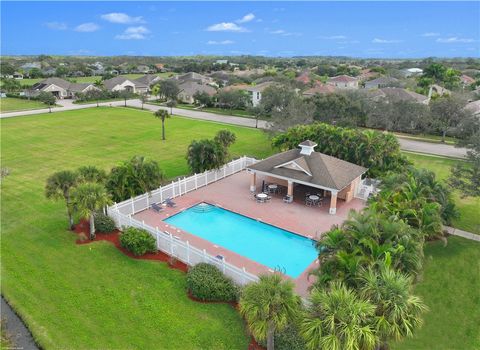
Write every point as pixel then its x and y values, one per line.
pixel 272 188
pixel 262 197
pixel 314 197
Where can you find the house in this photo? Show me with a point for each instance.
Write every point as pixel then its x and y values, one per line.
pixel 304 78
pixel 380 83
pixel 193 77
pixel 466 80
pixel 60 88
pixel 257 90
pixel 160 67
pixel 148 80
pixel 221 76
pixel 397 94
pixel 190 88
pixel 474 107
pixel 344 82
pixel 319 89
pixel 49 71
pixel 221 62
pixel 121 83
pixel 29 66
pixel 366 74
pixel 144 69
pixel 411 72
pixel 335 178
pixel 17 75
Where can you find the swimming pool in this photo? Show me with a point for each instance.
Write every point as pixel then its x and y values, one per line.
pixel 266 244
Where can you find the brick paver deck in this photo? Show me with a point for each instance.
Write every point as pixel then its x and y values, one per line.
pixel 232 193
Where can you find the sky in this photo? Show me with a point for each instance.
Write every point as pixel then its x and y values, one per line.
pixel 356 29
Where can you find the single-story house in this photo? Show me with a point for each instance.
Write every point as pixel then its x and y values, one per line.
pixel 221 62
pixel 304 77
pixel 144 69
pixel 189 88
pixel 160 67
pixel 193 77
pixel 121 83
pixel 319 89
pixel 466 80
pixel 17 75
pixel 60 88
pixel 411 72
pixel 257 90
pixel 344 82
pixel 148 79
pixel 397 94
pixel 336 178
pixel 380 82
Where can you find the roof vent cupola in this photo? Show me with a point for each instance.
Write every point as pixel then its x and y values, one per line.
pixel 307 147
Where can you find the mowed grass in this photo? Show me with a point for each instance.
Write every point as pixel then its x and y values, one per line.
pixel 469 207
pixel 10 104
pixel 451 290
pixel 92 296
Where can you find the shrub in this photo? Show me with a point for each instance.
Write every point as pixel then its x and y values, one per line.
pixel 137 241
pixel 207 282
pixel 288 339
pixel 104 223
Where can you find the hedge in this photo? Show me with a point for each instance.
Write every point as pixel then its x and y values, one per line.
pixel 138 241
pixel 206 282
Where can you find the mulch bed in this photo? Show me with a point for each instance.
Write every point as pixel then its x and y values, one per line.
pixel 82 229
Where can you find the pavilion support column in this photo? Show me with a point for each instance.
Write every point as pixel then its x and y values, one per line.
pixel 253 182
pixel 333 203
pixel 290 189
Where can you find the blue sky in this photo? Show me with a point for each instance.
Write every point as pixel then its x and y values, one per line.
pixel 359 29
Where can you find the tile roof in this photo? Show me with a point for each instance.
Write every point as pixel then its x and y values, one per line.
pixel 320 89
pixel 326 171
pixel 342 79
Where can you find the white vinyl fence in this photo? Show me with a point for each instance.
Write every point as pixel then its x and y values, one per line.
pixel 166 242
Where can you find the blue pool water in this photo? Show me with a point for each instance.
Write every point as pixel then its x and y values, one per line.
pixel 266 244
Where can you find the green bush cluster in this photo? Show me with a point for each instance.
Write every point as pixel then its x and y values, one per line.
pixel 104 223
pixel 207 282
pixel 288 339
pixel 138 241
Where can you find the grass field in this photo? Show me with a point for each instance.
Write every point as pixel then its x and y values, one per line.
pixel 92 296
pixel 10 104
pixel 469 207
pixel 450 288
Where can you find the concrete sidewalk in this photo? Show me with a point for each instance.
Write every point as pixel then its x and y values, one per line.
pixel 456 232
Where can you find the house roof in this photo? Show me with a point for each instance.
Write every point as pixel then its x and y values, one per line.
pixel 467 80
pixel 236 87
pixel 320 89
pixel 304 77
pixel 191 87
pixel 147 79
pixel 473 107
pixel 382 81
pixel 342 79
pixel 191 76
pixel 398 94
pixel 260 87
pixel 111 83
pixel 317 169
pixel 64 84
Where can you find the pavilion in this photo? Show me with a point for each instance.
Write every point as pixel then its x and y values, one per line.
pixel 335 177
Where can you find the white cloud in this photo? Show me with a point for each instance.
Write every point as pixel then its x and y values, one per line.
pixel 133 33
pixel 284 33
pixel 247 18
pixel 334 37
pixel 87 27
pixel 56 25
pixel 224 42
pixel 455 39
pixel 430 34
pixel 123 18
pixel 385 41
pixel 226 27
pixel 278 31
pixel 349 42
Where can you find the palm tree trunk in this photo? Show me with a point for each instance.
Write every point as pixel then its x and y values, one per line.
pixel 444 134
pixel 270 337
pixel 92 227
pixel 70 219
pixel 163 129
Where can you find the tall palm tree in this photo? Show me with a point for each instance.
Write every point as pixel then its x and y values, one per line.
pixel 337 319
pixel 398 311
pixel 162 115
pixel 268 306
pixel 59 185
pixel 89 198
pixel 90 173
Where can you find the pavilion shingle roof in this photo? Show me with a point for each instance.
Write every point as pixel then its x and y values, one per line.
pixel 327 171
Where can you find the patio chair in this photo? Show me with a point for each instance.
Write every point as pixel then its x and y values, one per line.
pixel 288 199
pixel 156 207
pixel 170 203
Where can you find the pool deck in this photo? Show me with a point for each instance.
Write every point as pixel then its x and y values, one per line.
pixel 232 193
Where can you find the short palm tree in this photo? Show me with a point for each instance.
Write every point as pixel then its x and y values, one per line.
pixel 90 173
pixel 89 198
pixel 162 115
pixel 337 319
pixel 59 185
pixel 398 311
pixel 268 306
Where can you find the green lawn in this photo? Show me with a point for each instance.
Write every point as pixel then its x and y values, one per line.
pixel 93 296
pixel 11 104
pixel 451 290
pixel 469 207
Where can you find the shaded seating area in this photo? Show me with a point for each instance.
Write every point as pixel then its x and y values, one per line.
pixel 311 177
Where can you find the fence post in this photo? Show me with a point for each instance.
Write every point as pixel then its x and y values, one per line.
pixel 158 237
pixel 188 253
pixel 179 187
pixel 244 275
pixel 206 178
pixel 173 189
pixel 161 195
pixel 205 256
pixel 133 206
pixel 185 184
pixel 148 201
pixel 143 224
pixel 196 182
pixel 224 171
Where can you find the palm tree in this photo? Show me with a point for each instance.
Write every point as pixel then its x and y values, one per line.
pixel 143 99
pixel 60 185
pixel 398 311
pixel 90 173
pixel 98 94
pixel 89 198
pixel 337 319
pixel 268 306
pixel 162 115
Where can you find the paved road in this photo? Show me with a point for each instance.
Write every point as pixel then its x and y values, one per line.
pixel 405 143
pixel 16 329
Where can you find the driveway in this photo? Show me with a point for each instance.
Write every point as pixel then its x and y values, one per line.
pixel 406 144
